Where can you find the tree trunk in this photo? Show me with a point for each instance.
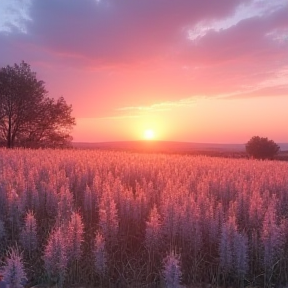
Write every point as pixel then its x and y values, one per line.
pixel 9 142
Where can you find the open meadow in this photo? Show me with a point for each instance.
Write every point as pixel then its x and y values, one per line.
pixel 120 219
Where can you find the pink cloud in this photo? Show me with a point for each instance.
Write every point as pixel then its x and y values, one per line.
pixel 137 53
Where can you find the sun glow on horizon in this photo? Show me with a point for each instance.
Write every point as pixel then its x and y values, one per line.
pixel 149 134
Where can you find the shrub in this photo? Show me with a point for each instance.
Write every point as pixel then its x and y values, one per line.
pixel 261 148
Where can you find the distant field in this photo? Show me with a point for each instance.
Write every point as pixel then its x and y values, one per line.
pixel 170 147
pixel 162 146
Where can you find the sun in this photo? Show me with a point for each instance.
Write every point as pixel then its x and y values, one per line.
pixel 149 134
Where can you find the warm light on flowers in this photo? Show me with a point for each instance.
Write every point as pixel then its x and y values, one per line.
pixel 123 215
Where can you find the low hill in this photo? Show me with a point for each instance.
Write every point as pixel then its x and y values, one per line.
pixel 161 146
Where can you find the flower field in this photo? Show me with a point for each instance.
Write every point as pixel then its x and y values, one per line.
pixel 119 219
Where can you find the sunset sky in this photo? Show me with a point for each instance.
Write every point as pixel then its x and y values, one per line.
pixel 188 70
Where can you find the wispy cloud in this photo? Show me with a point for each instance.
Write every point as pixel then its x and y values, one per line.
pixel 119 117
pixel 14 15
pixel 256 8
pixel 164 106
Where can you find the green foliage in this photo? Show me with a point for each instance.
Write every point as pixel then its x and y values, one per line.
pixel 262 148
pixel 29 118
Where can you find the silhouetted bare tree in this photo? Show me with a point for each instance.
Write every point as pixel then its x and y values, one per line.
pixel 28 117
pixel 262 148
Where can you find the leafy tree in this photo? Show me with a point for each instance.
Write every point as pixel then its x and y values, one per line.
pixel 262 148
pixel 28 117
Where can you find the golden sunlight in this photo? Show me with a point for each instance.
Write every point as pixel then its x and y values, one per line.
pixel 149 134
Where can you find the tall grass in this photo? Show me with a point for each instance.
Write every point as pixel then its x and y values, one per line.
pixel 111 218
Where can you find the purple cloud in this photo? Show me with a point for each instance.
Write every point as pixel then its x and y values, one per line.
pixel 118 31
pixel 147 41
